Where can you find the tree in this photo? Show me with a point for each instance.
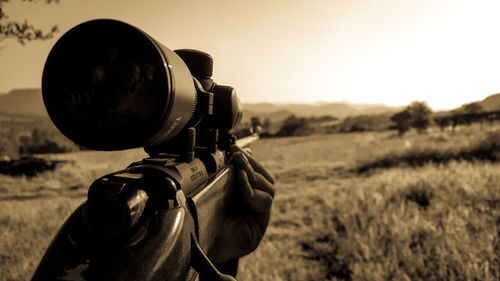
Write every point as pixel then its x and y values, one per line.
pixel 8 145
pixel 39 142
pixel 255 124
pixel 472 112
pixel 420 114
pixel 266 125
pixel 443 122
pixel 23 31
pixel 403 121
pixel 294 126
pixel 365 122
pixel 473 107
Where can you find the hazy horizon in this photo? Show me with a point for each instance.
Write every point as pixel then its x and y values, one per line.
pixel 387 52
pixel 311 103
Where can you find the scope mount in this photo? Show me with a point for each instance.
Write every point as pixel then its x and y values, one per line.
pixel 208 129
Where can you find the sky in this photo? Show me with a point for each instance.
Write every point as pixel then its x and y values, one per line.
pixel 391 52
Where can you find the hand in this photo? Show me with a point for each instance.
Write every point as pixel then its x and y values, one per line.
pixel 242 232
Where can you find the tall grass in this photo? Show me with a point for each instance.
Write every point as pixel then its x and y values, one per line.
pixel 33 209
pixel 423 222
pixel 433 222
pixel 26 229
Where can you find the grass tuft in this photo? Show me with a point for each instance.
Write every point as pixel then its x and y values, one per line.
pixel 420 195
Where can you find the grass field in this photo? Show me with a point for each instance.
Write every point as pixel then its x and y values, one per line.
pixel 332 219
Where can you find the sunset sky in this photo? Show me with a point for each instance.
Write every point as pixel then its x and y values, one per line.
pixel 382 51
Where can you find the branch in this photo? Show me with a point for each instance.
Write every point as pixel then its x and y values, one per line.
pixel 23 32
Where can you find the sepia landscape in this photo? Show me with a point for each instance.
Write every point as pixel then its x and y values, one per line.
pixel 352 202
pixel 380 121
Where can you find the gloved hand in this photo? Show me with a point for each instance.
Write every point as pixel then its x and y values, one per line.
pixel 254 192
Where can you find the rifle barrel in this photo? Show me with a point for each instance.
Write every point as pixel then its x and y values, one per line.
pixel 246 141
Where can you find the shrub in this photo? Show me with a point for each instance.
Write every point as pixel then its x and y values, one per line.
pixel 360 123
pixel 294 126
pixel 39 143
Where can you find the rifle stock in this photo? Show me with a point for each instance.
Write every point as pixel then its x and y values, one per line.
pixel 170 239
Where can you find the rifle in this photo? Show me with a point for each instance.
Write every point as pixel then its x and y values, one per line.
pixel 109 86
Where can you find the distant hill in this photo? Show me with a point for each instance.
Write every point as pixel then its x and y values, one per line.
pixel 339 110
pixel 263 107
pixel 273 116
pixel 27 102
pixel 376 108
pixel 491 103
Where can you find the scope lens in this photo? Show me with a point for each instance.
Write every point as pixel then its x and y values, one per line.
pixel 106 85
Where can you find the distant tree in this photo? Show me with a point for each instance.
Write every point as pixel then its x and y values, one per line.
pixel 420 114
pixel 255 121
pixel 321 119
pixel 38 137
pixel 39 142
pixel 294 126
pixel 266 125
pixel 443 122
pixel 473 107
pixel 8 145
pixel 255 124
pixel 402 120
pixel 367 122
pixel 456 118
pixel 472 112
pixel 23 31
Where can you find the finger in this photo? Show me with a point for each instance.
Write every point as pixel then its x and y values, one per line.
pixel 259 168
pixel 263 184
pixel 234 148
pixel 255 165
pixel 243 188
pixel 261 202
pixel 247 151
pixel 257 180
pixel 257 200
pixel 241 162
pixel 245 162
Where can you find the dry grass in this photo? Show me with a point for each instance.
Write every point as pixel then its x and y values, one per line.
pixel 32 209
pixel 434 222
pixel 437 151
pixel 26 229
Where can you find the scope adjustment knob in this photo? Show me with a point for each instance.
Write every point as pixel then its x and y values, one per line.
pixel 200 64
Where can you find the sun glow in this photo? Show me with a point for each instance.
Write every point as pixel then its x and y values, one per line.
pixel 446 57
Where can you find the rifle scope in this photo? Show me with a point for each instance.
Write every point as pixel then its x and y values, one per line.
pixel 108 85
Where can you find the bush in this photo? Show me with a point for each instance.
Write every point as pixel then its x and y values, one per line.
pixel 294 126
pixel 9 145
pixel 360 123
pixel 39 143
pixel 402 120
